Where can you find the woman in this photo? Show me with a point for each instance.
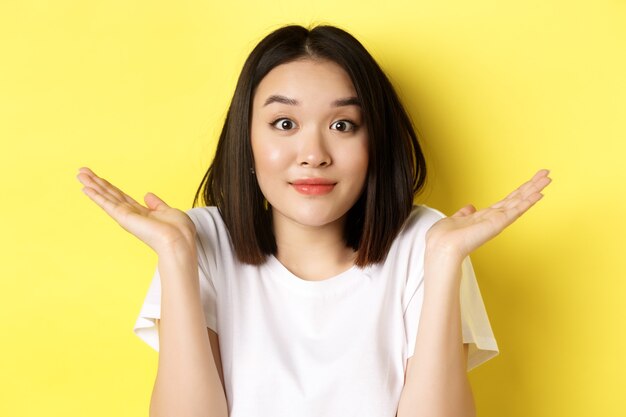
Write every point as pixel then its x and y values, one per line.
pixel 309 264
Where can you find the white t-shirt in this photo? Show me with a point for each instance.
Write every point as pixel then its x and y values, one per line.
pixel 332 348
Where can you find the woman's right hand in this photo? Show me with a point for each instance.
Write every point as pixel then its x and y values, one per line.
pixel 158 225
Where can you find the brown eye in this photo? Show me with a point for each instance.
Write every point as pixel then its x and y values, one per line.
pixel 283 124
pixel 343 125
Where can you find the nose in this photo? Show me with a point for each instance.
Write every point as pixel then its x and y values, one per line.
pixel 313 151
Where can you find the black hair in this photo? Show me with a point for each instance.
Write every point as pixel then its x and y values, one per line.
pixel 396 167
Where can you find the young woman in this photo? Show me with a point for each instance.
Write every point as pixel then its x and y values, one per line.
pixel 309 264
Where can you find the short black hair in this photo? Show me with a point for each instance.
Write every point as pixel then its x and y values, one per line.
pixel 396 167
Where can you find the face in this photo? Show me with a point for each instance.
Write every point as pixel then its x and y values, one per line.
pixel 309 142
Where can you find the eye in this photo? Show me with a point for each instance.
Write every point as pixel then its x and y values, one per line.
pixel 283 124
pixel 343 125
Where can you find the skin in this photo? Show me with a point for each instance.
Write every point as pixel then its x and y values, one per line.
pixel 306 135
pixel 439 386
pixel 311 141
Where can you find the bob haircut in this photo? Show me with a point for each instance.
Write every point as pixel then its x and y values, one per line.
pixel 396 167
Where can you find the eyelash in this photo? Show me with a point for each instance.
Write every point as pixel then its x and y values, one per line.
pixel 354 125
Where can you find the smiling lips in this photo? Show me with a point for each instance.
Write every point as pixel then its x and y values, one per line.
pixel 313 186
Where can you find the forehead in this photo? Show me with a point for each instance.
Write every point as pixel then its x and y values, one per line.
pixel 306 78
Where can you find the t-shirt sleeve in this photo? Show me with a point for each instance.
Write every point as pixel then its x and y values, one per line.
pixel 476 329
pixel 145 326
pixel 475 322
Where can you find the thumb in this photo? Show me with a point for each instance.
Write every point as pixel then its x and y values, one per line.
pixel 153 202
pixel 464 211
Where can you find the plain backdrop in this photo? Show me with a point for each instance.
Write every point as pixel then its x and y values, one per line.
pixel 138 91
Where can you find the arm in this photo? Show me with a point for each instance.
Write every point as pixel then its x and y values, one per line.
pixel 438 386
pixel 436 383
pixel 214 340
pixel 188 381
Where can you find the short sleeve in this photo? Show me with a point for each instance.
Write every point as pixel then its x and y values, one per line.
pixel 476 328
pixel 145 326
pixel 475 322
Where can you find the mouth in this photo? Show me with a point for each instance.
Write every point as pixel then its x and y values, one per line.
pixel 313 186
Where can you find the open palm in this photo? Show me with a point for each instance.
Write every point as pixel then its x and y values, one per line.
pixel 158 225
pixel 468 228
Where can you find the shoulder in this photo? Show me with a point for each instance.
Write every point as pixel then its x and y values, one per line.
pixel 211 231
pixel 206 217
pixel 406 255
pixel 421 218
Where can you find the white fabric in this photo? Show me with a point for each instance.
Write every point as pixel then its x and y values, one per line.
pixel 331 348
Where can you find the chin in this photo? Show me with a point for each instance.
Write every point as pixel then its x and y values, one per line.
pixel 313 217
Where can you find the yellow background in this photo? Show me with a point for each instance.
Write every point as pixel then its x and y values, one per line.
pixel 137 90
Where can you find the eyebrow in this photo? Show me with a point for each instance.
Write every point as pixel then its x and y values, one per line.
pixel 348 101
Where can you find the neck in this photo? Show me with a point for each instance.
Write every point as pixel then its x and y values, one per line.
pixel 313 253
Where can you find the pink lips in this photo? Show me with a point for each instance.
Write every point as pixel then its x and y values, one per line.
pixel 313 186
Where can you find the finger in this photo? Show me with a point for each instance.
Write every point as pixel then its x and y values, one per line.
pixel 537 187
pixel 118 193
pixel 111 207
pixel 88 177
pixel 107 201
pixel 105 187
pixel 512 213
pixel 538 182
pixel 110 188
pixel 464 211
pixel 516 193
pixel 541 173
pixel 154 202
pixel 121 213
pixel 522 206
pixel 88 181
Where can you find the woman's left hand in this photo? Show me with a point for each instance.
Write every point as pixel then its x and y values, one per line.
pixel 468 228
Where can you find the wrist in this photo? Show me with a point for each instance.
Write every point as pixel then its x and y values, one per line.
pixel 442 253
pixel 178 265
pixel 444 247
pixel 176 244
pixel 442 268
pixel 179 249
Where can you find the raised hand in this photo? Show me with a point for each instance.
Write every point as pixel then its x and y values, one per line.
pixel 158 225
pixel 468 228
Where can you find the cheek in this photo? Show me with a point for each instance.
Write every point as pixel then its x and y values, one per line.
pixel 264 150
pixel 271 157
pixel 356 158
pixel 267 155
